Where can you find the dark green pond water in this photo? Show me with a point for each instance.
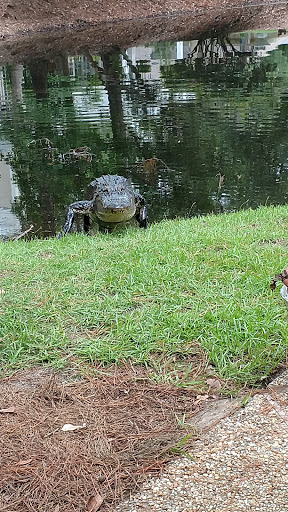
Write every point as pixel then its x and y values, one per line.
pixel 199 127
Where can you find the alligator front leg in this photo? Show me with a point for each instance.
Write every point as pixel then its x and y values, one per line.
pixel 141 211
pixel 84 207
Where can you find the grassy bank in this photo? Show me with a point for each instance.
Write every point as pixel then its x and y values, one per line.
pixel 179 291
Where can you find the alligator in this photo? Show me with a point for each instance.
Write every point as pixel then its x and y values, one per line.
pixel 113 200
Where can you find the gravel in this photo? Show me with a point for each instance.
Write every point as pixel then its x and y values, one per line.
pixel 239 465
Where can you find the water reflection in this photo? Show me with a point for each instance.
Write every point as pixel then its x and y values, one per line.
pixel 198 126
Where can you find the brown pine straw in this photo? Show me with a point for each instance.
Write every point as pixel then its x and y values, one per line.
pixel 131 429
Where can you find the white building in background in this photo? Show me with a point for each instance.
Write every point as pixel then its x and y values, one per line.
pixel 3 91
pixel 9 223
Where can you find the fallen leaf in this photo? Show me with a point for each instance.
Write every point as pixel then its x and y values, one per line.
pixel 68 427
pixel 200 398
pixel 94 503
pixel 8 410
pixel 214 384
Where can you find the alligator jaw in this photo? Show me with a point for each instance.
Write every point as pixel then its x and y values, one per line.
pixel 115 207
pixel 115 214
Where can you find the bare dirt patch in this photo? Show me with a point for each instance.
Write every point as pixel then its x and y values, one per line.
pixel 37 15
pixel 37 28
pixel 131 428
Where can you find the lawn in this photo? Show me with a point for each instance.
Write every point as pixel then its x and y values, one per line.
pixel 193 292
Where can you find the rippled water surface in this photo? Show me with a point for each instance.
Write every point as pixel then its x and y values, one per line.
pixel 198 126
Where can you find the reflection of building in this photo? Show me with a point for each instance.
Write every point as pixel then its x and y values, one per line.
pixel 79 66
pixel 147 60
pixel 3 92
pixel 9 224
pixel 257 43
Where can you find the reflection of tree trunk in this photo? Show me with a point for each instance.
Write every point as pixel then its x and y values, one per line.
pixel 215 48
pixel 16 82
pixel 46 202
pixel 62 65
pixel 39 71
pixel 112 67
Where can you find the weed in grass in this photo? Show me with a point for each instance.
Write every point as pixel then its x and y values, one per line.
pixel 181 422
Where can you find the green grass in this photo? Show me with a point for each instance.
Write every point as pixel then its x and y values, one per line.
pixel 131 295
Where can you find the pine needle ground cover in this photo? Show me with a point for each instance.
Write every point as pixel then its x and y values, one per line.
pixel 182 291
pixel 125 428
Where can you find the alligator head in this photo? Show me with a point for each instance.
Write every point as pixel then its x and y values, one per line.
pixel 114 198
